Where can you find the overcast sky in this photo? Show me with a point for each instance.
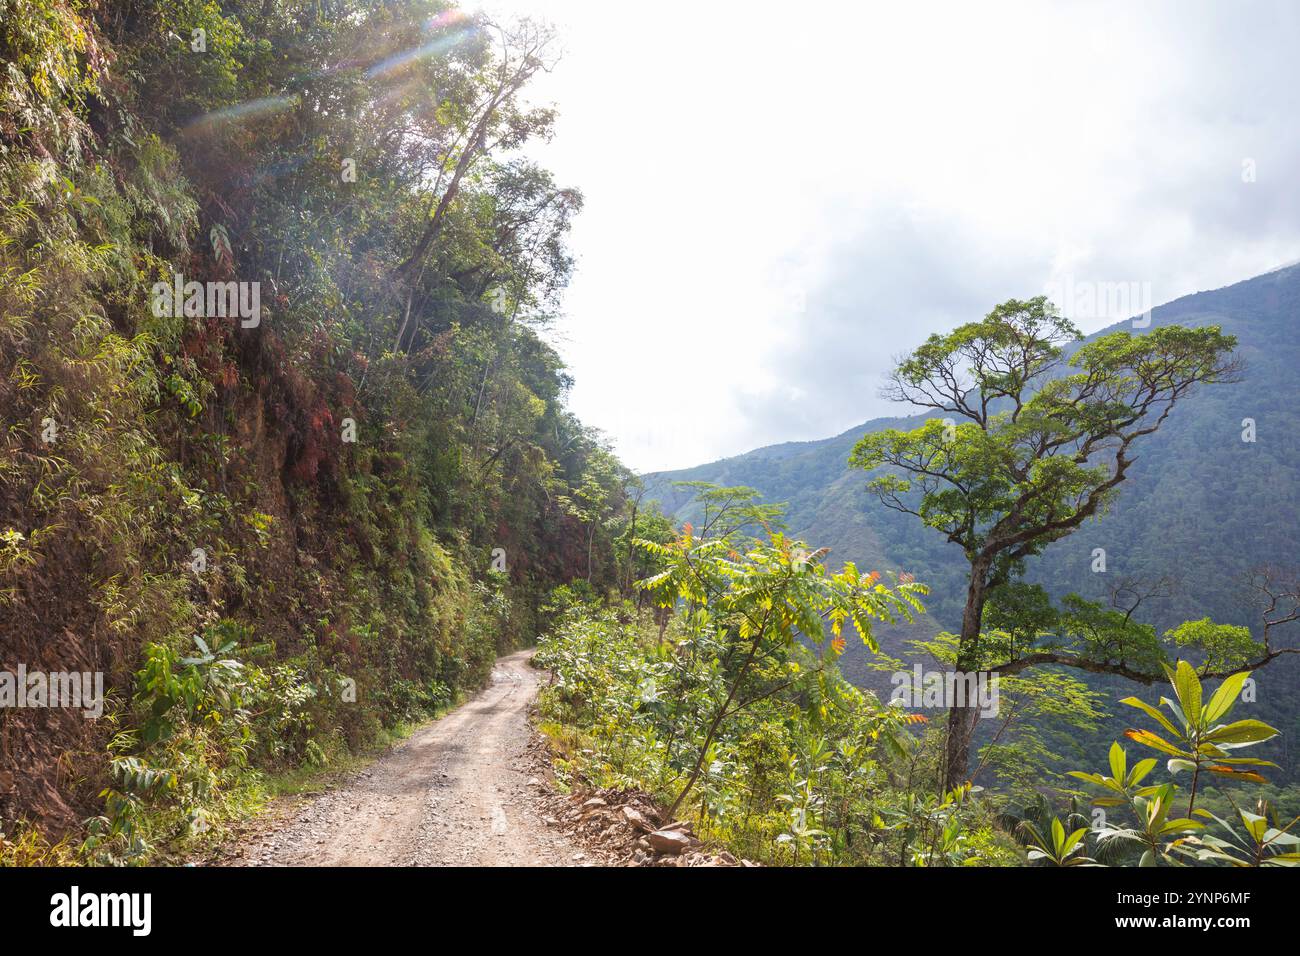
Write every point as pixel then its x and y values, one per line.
pixel 781 198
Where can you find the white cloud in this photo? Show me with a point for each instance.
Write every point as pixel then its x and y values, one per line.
pixel 781 198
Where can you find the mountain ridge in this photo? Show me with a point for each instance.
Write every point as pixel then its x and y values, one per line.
pixel 858 430
pixel 1201 506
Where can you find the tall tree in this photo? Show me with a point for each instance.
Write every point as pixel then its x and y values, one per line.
pixel 497 121
pixel 1028 445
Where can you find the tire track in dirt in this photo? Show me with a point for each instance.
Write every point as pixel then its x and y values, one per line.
pixel 459 792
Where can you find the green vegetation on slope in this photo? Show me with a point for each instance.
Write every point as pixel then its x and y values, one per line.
pixel 311 501
pixel 1200 509
pixel 280 533
pixel 734 715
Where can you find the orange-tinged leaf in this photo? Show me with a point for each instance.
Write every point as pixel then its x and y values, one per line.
pixel 1236 774
pixel 1154 741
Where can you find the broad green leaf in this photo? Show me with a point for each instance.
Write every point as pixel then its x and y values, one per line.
pixel 1188 687
pixel 1152 713
pixel 1221 700
pixel 1118 761
pixel 1073 840
pixel 1096 778
pixel 1147 738
pixel 1255 825
pixel 1242 732
pixel 1140 770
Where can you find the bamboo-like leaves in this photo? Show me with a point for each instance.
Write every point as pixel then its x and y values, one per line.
pixel 776 589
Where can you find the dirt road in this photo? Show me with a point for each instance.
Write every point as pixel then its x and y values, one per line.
pixel 457 793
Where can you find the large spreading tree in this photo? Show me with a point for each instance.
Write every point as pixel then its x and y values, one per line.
pixel 1028 440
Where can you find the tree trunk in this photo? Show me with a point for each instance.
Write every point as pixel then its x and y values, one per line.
pixel 717 720
pixel 961 719
pixel 961 730
pixel 631 551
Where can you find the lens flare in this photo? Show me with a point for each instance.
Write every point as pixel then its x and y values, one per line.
pixel 458 19
pixel 266 106
pixel 425 51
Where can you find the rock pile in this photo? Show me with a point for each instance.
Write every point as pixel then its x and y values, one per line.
pixel 629 828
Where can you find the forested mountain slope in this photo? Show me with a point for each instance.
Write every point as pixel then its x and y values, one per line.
pixel 282 524
pixel 1201 505
pixel 286 464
